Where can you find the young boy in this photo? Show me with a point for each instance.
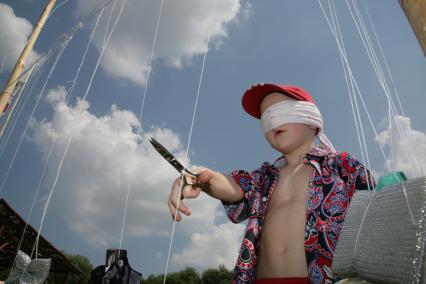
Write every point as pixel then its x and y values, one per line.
pixel 296 206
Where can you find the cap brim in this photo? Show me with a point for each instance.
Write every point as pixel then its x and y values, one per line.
pixel 253 97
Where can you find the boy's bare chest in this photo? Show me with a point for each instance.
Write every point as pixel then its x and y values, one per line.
pixel 282 250
pixel 291 188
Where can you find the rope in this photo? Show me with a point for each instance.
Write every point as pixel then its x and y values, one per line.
pixel 150 60
pixel 33 81
pixel 109 21
pixel 190 135
pixel 362 30
pixel 55 138
pixel 33 111
pixel 58 6
pixel 125 214
pixel 71 136
pixel 351 90
pixel 140 117
pixel 343 54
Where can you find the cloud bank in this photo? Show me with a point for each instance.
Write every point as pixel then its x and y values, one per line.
pixel 14 32
pixel 105 153
pixel 407 147
pixel 182 34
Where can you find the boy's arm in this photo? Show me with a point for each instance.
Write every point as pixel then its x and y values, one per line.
pixel 220 186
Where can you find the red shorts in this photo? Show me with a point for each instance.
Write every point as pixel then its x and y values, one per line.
pixel 286 280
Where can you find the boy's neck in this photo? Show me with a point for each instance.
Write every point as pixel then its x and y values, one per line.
pixel 295 158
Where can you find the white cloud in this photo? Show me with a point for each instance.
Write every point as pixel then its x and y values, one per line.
pixel 220 245
pixel 182 34
pixel 14 32
pixel 407 154
pixel 105 152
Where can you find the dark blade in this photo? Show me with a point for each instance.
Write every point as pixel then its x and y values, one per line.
pixel 168 156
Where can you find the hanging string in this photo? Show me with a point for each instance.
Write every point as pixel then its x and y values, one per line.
pixel 346 66
pixel 360 95
pixel 140 118
pixel 33 81
pixel 366 39
pixel 355 84
pixel 150 60
pixel 54 141
pixel 383 55
pixel 71 135
pixel 190 135
pixel 413 159
pixel 109 21
pixel 124 216
pixel 335 27
pixel 58 6
pixel 14 102
pixel 392 109
pixel 364 149
pixel 61 50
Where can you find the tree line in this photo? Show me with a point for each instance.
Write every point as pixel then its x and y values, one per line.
pixel 189 275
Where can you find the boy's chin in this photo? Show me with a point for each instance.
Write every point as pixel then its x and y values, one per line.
pixel 283 149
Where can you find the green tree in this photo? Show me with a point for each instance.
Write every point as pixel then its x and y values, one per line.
pixel 153 279
pixel 187 276
pixel 216 276
pixel 83 263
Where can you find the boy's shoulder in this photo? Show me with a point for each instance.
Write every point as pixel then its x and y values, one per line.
pixel 341 160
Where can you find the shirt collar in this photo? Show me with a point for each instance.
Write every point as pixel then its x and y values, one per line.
pixel 313 157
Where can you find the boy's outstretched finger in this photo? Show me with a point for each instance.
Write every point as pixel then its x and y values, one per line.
pixel 173 212
pixel 182 207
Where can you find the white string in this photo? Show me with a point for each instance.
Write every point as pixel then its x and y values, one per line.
pixel 190 135
pixel 61 50
pixel 83 59
pixel 413 159
pixel 33 81
pixel 351 76
pixel 15 102
pixel 362 30
pixel 109 21
pixel 351 93
pixel 140 119
pixel 58 6
pixel 380 74
pixel 125 214
pixel 55 138
pixel 71 135
pixel 150 60
pixel 359 93
pixel 381 52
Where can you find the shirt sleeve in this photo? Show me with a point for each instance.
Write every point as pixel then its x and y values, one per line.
pixel 359 177
pixel 249 183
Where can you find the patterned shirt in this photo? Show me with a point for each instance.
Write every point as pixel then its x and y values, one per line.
pixel 331 187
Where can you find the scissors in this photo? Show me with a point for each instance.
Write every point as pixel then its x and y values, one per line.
pixel 176 164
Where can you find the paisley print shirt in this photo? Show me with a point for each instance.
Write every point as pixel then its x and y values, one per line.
pixel 331 186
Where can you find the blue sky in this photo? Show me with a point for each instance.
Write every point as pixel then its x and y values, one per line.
pixel 285 42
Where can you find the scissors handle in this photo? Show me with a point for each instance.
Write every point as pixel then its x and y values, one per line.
pixel 195 184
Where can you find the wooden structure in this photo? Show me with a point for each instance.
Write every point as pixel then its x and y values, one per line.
pixel 20 64
pixel 416 14
pixel 11 229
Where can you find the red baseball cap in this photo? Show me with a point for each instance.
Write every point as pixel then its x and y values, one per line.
pixel 253 97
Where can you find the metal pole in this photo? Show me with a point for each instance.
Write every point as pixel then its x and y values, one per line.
pixel 20 64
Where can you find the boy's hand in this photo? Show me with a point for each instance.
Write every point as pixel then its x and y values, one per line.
pixel 188 191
